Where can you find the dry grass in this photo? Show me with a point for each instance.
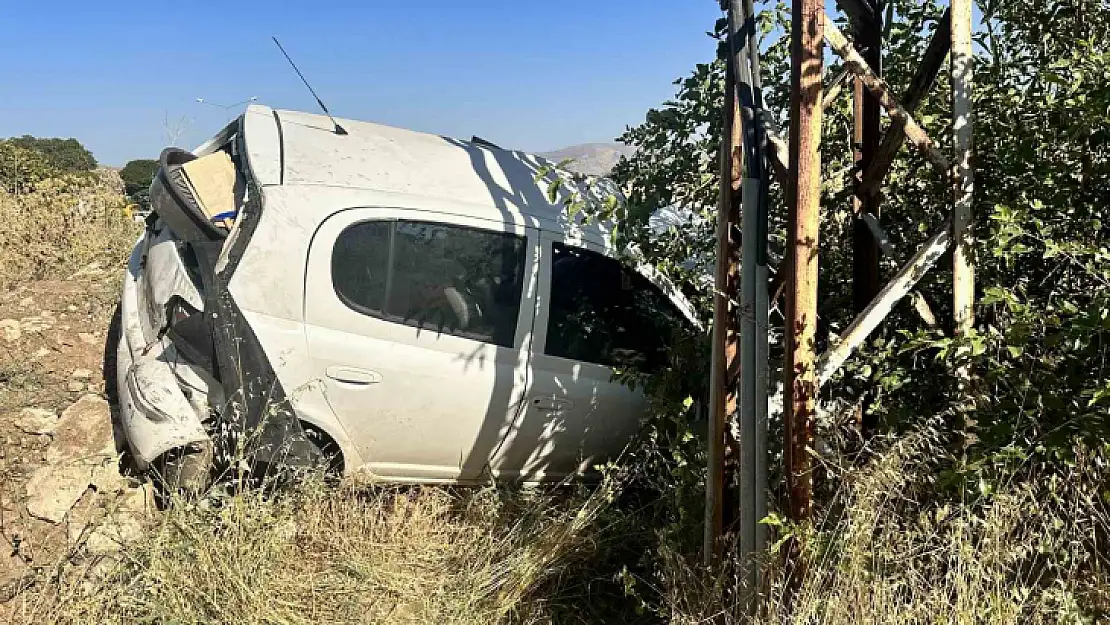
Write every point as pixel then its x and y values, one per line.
pixel 333 555
pixel 890 553
pixel 63 225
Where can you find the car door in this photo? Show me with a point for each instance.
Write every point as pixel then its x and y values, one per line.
pixel 419 328
pixel 593 315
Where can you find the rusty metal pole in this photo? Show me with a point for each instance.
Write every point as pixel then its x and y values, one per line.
pixel 722 393
pixel 807 47
pixel 866 136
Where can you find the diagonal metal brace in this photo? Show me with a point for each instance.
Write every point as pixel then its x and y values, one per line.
pixel 882 92
pixel 920 86
pixel 880 307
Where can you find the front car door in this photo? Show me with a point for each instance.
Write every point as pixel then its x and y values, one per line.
pixel 593 316
pixel 419 328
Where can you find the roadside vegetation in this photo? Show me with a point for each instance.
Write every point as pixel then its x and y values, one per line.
pixel 919 524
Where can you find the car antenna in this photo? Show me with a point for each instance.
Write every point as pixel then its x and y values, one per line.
pixel 339 130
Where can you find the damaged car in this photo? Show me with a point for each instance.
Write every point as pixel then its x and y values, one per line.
pixel 378 300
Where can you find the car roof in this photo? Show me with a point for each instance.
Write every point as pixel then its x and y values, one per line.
pixel 293 148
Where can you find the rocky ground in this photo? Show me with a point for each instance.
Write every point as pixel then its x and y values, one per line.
pixel 62 495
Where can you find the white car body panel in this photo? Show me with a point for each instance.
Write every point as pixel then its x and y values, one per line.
pixel 434 405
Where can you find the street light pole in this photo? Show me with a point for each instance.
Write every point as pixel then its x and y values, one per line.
pixel 227 107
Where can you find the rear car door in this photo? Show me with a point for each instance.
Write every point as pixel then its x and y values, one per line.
pixel 419 328
pixel 594 315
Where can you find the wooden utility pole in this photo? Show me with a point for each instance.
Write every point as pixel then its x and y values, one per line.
pixel 963 182
pixel 807 47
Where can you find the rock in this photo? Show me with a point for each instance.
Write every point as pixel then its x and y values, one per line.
pixel 104 524
pixel 40 353
pixel 81 374
pixel 55 488
pixel 82 446
pixel 10 330
pixel 88 339
pixel 84 431
pixel 26 302
pixel 36 421
pixel 108 481
pixel 76 386
pixel 71 308
pixel 35 324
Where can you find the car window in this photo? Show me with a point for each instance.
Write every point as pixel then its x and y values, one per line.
pixel 603 313
pixel 452 279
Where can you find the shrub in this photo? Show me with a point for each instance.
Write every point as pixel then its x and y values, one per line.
pixel 67 156
pixel 61 225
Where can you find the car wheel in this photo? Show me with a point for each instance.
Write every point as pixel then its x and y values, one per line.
pixel 185 472
pixel 329 449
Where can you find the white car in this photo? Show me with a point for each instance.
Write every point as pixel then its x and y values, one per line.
pixel 403 304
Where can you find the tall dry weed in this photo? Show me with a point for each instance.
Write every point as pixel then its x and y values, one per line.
pixel 62 225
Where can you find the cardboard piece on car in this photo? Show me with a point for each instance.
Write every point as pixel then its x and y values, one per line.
pixel 212 179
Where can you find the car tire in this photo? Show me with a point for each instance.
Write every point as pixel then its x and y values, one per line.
pixel 329 450
pixel 184 472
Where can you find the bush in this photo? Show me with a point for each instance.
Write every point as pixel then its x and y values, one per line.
pixel 137 176
pixel 21 168
pixel 67 156
pixel 61 225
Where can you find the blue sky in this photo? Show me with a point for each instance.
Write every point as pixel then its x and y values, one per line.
pixel 533 76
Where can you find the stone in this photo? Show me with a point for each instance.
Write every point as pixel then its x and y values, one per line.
pixel 26 302
pixel 88 339
pixel 55 488
pixel 81 374
pixel 84 431
pixel 83 444
pixel 76 386
pixel 105 524
pixel 71 308
pixel 40 353
pixel 10 330
pixel 36 421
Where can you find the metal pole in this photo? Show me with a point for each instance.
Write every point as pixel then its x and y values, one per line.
pixel 963 271
pixel 752 413
pixel 866 134
pixel 807 47
pixel 721 399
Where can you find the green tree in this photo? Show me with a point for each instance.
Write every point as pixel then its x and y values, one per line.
pixel 137 176
pixel 66 155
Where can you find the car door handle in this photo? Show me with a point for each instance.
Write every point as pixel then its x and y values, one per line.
pixel 353 375
pixel 551 404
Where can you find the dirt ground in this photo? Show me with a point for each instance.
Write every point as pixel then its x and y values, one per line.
pixel 52 353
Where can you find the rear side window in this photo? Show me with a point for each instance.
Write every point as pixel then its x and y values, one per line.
pixel 603 313
pixel 461 281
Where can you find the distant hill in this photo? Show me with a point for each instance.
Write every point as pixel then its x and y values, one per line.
pixel 595 159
